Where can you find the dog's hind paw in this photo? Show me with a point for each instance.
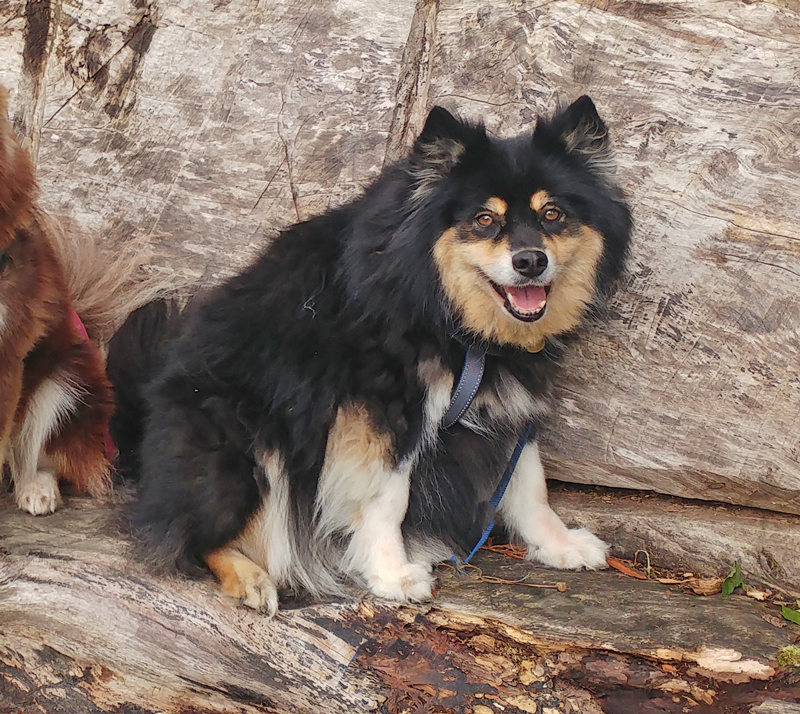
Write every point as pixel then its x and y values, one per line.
pixel 573 549
pixel 38 495
pixel 260 594
pixel 411 583
pixel 242 579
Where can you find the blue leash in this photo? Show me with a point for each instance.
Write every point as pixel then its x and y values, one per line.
pixel 499 492
pixel 463 394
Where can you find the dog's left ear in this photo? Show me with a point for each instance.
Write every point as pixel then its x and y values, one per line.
pixel 439 148
pixel 584 133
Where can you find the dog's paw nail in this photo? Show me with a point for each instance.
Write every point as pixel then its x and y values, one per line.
pixel 261 595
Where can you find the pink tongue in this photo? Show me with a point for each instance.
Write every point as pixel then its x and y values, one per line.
pixel 527 299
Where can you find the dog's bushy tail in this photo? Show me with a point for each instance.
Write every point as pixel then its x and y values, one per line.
pixel 135 354
pixel 106 285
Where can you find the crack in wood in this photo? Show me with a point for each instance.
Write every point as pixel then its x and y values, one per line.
pixel 41 27
pixel 138 39
pixel 413 81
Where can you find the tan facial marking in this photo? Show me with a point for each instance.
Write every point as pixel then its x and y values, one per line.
pixel 539 200
pixel 461 264
pixel 496 205
pixel 577 252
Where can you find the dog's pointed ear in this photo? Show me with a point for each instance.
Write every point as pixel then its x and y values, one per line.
pixel 440 145
pixel 584 133
pixel 439 125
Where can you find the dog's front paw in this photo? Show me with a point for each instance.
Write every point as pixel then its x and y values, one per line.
pixel 39 495
pixel 413 582
pixel 572 549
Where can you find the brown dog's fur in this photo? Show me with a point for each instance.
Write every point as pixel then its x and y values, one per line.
pixel 55 399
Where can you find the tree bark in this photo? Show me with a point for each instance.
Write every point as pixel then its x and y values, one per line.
pixel 212 126
pixel 84 628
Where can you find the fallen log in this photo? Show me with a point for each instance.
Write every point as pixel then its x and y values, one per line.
pixel 85 628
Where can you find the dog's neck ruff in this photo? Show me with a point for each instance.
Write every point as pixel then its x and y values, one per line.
pixel 464 393
pixel 108 441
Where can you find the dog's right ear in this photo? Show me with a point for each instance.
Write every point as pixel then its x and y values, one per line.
pixel 439 147
pixel 17 185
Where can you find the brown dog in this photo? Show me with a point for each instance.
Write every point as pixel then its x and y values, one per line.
pixel 55 399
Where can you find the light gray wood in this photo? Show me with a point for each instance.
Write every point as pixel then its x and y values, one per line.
pixel 703 539
pixel 775 706
pixel 85 629
pixel 214 126
pixel 691 389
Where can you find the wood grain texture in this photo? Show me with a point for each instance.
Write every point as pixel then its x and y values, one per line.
pixel 85 629
pixel 692 388
pixel 706 539
pixel 214 127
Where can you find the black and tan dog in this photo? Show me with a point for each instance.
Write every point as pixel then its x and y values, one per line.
pixel 294 437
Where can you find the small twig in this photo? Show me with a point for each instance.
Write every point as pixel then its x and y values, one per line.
pixel 561 587
pixel 508 550
pixel 648 569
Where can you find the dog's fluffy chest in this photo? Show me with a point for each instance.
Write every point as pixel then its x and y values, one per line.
pixel 501 400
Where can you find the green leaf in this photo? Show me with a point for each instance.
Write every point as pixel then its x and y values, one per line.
pixel 733 581
pixel 791 615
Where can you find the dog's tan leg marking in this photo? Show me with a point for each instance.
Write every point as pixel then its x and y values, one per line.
pixel 240 578
pixel 363 493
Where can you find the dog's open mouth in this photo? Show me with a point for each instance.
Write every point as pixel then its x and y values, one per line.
pixel 526 303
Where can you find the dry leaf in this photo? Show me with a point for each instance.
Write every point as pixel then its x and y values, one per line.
pixel 757 594
pixel 530 671
pixel 525 704
pixel 772 620
pixel 625 569
pixel 705 586
pixel 483 643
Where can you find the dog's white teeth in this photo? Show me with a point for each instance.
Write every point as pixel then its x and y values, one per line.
pixel 529 300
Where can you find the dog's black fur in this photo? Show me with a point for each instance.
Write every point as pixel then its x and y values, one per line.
pixel 342 309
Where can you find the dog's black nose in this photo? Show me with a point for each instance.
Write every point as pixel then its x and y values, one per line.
pixel 530 263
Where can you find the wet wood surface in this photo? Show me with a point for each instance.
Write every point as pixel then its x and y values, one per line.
pixel 85 629
pixel 212 126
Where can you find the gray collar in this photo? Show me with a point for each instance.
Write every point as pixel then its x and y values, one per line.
pixel 467 386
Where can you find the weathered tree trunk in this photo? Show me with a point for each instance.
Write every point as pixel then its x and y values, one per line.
pixel 85 629
pixel 213 125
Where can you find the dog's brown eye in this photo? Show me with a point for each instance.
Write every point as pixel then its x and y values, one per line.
pixel 552 214
pixel 484 219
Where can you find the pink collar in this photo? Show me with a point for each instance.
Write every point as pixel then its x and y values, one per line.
pixel 110 446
